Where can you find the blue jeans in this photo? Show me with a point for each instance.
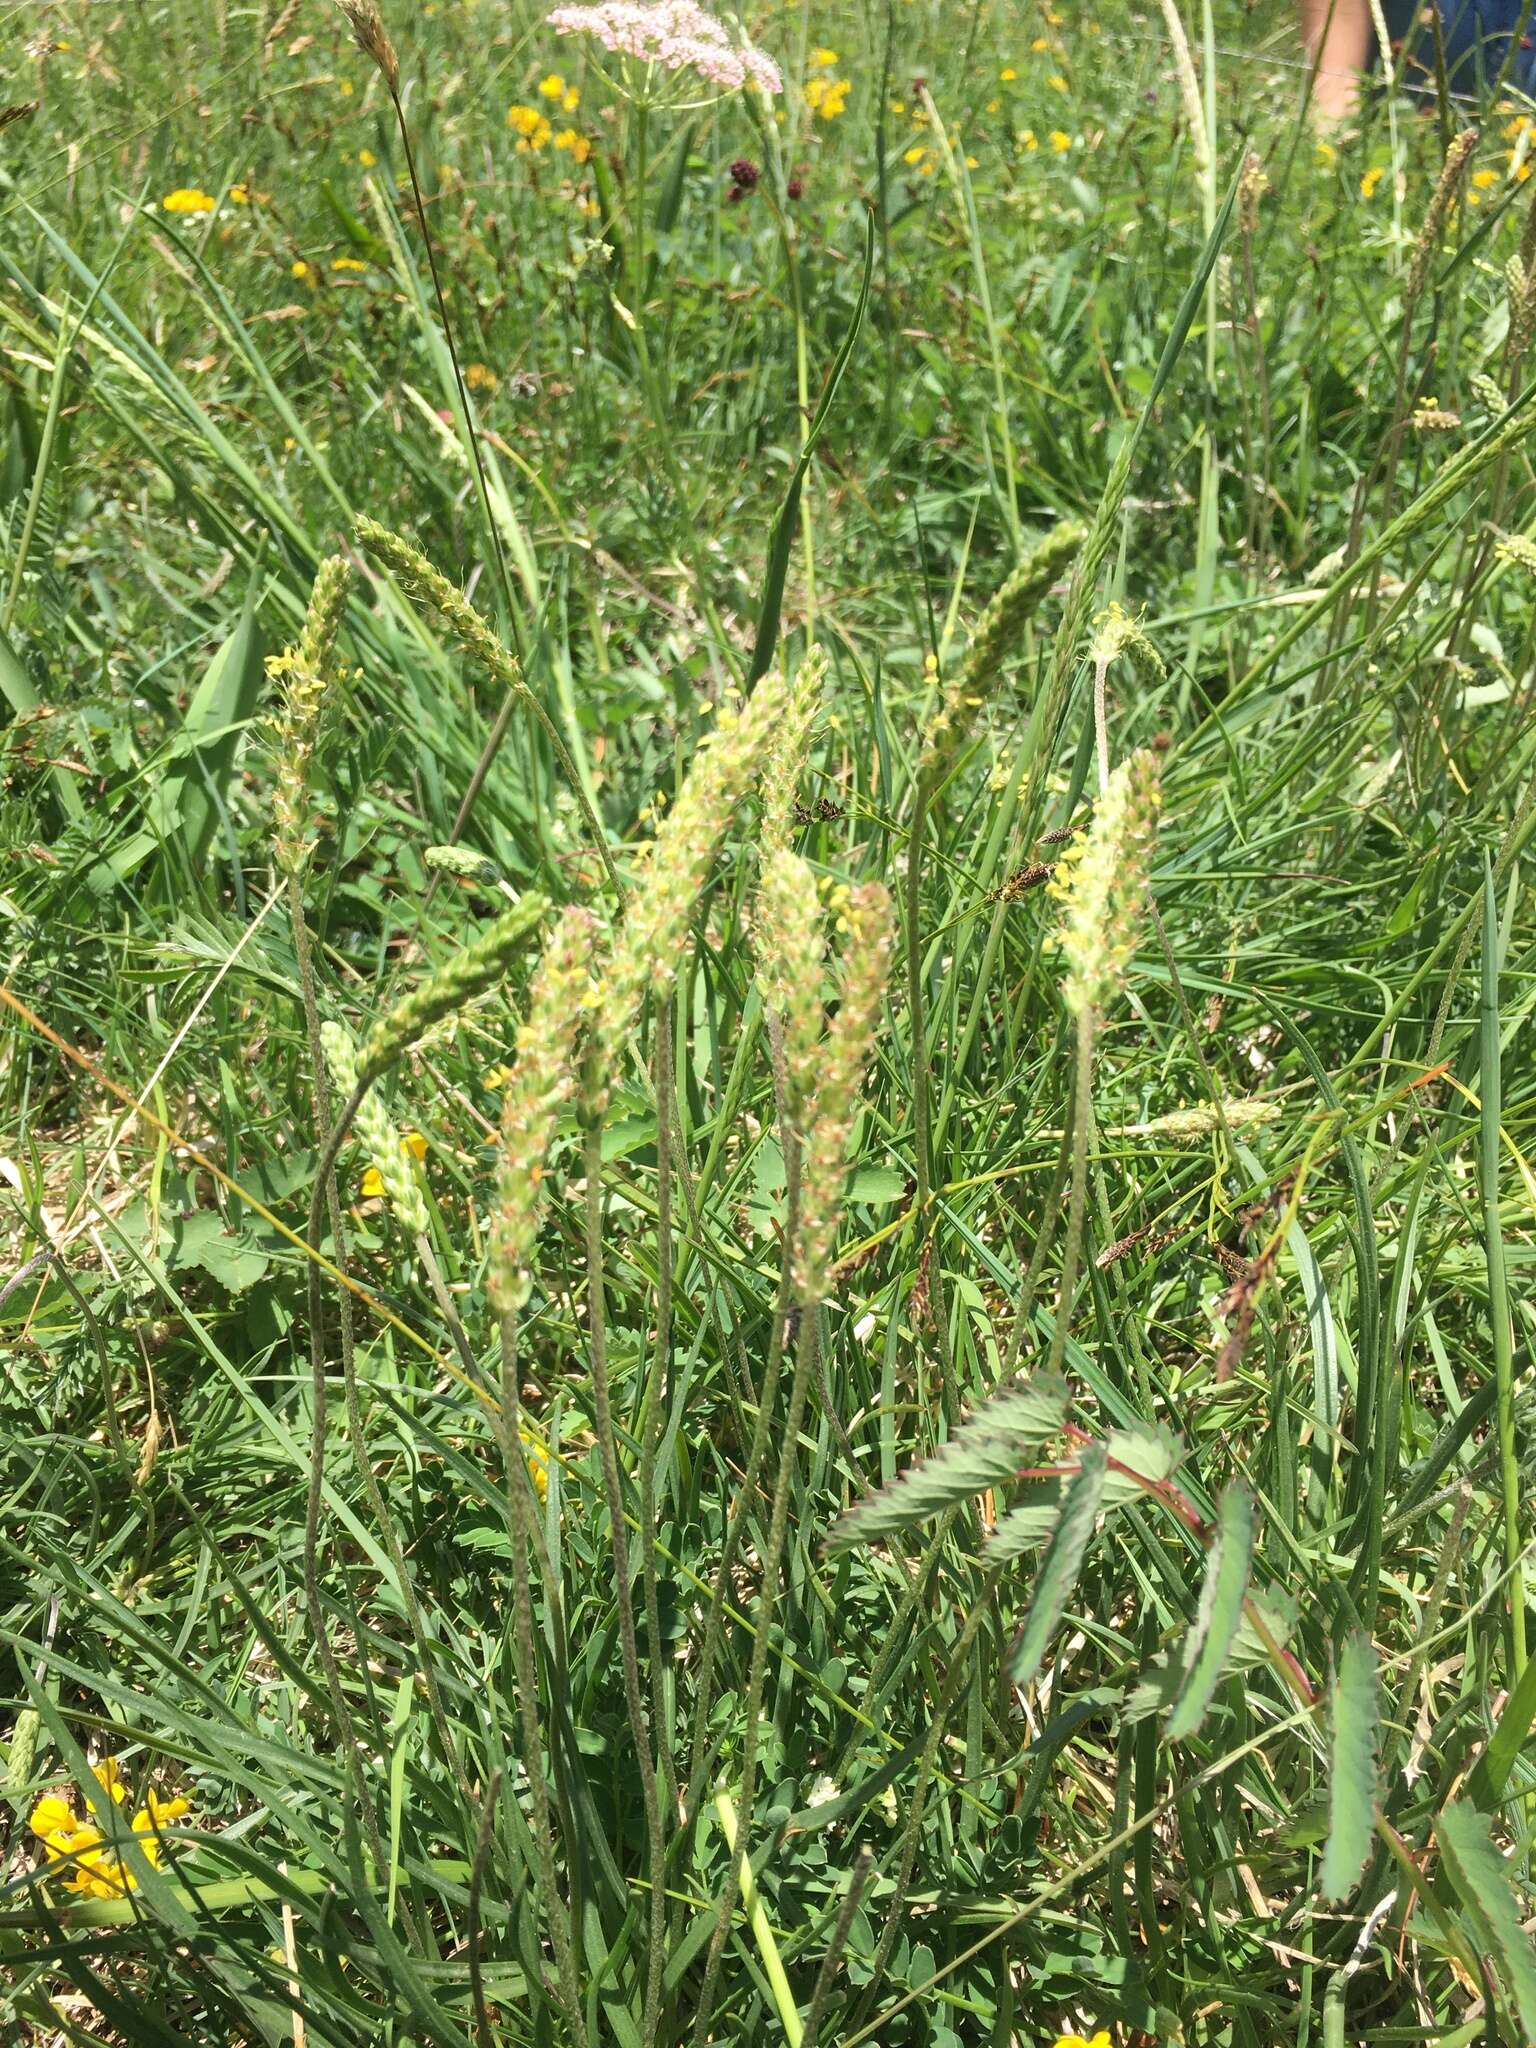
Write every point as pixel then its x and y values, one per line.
pixel 1477 36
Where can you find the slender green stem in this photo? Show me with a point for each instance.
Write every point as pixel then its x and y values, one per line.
pixel 1082 1125
pixel 613 1487
pixel 1500 1320
pixel 762 1621
pixel 521 1514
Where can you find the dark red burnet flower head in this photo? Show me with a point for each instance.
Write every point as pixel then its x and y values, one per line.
pixel 744 175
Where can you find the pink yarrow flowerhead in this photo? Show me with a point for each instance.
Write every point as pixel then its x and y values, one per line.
pixel 675 34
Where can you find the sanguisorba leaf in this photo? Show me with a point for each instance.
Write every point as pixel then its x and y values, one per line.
pixel 988 1448
pixel 1061 1564
pixel 1352 1786
pixel 1219 1612
pixel 1482 1881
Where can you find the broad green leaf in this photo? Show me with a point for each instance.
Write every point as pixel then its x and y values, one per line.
pixel 1219 1613
pixel 1351 1767
pixel 1059 1568
pixel 1481 1879
pixel 988 1448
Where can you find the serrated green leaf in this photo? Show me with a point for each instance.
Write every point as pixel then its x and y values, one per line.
pixel 1220 1612
pixel 1481 1879
pixel 1351 1767
pixel 1026 1526
pixel 1145 1452
pixel 1060 1566
pixel 988 1448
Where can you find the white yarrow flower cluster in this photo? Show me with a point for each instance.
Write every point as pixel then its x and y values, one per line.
pixel 676 35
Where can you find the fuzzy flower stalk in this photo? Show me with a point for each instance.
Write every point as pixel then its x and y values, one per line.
pixel 844 1055
pixel 376 1130
pixel 543 1081
pixel 791 955
pixel 651 939
pixel 304 675
pixel 784 762
pixel 996 638
pixel 1101 884
pixel 671 36
pixel 1117 632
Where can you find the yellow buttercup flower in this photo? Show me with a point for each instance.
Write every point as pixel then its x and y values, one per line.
pixel 1059 140
pixel 1481 180
pixel 479 377
pixel 1057 83
pixel 188 199
pixel 553 87
pixel 824 58
pixel 1008 74
pixel 1099 2040
pixel 367 159
pixel 81 1854
pixel 1371 180
pixel 578 145
pixel 347 263
pixel 1028 140
pixel 302 271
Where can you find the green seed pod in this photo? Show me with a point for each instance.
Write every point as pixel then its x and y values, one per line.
pixel 468 974
pixel 844 1055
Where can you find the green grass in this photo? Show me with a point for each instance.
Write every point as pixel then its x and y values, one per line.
pixel 1227 1741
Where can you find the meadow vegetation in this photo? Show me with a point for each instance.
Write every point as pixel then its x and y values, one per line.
pixel 764 1128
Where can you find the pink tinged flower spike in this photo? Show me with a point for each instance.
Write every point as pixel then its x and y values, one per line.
pixel 677 35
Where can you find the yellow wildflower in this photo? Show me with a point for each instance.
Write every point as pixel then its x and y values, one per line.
pixel 570 99
pixel 538 1463
pixel 188 199
pixel 993 105
pixel 826 96
pixel 1041 43
pixel 301 270
pixel 1028 140
pixel 367 159
pixel 553 87
pixel 1481 180
pixel 824 58
pixel 533 131
pixel 479 377
pixel 1008 74
pixel 1057 83
pixel 1371 180
pixel 1326 152
pixel 411 1142
pixel 81 1853
pixel 1099 2040
pixel 578 145
pixel 347 263
pixel 1059 140
pixel 915 156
